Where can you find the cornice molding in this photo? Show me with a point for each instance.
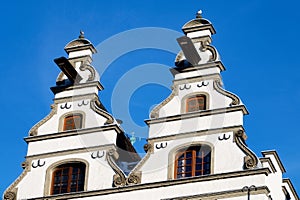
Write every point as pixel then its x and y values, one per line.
pixel 183 135
pixel 201 113
pixel 269 161
pixel 208 65
pixel 193 79
pixel 289 183
pixel 73 133
pixel 75 98
pixel 168 183
pixel 86 85
pixel 70 151
pixel 224 194
pixel 199 28
pixel 276 156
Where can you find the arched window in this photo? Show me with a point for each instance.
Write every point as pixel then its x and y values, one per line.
pixel 193 161
pixel 196 103
pixel 72 122
pixel 68 178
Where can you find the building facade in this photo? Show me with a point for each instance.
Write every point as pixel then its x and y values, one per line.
pixel 196 146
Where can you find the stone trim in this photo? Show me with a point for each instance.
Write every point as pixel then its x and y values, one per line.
pixel 135 172
pixel 34 130
pixel 194 134
pixel 155 112
pixel 289 183
pixel 250 160
pixel 168 183
pixel 201 113
pixel 91 69
pixel 269 161
pixel 11 192
pixel 70 151
pixel 218 87
pixel 95 106
pixel 205 43
pixel 224 194
pixel 209 65
pixel 274 153
pixel 119 178
pixel 73 133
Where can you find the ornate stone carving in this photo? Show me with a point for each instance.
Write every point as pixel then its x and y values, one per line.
pixel 218 88
pixel 133 179
pixel 119 178
pixel 10 196
pixel 91 69
pixel 95 107
pixel 33 130
pixel 147 147
pixel 135 175
pixel 250 160
pixel 205 46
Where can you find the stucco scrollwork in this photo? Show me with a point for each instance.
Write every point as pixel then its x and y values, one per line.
pixel 119 178
pixel 155 112
pixel 33 130
pixel 95 106
pixel 147 147
pixel 205 45
pixel 10 196
pixel 133 179
pixel 11 192
pixel 218 87
pixel 135 175
pixel 250 160
pixel 91 69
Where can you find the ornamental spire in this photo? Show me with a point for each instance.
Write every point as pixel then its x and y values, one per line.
pixel 199 14
pixel 81 36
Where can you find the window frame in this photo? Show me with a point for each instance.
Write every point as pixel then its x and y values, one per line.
pixel 70 174
pixel 196 97
pixel 52 167
pixel 193 165
pixel 64 116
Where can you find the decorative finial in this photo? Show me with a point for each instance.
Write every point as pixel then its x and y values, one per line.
pixel 132 138
pixel 199 14
pixel 81 34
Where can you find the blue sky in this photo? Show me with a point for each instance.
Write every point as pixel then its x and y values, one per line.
pixel 258 42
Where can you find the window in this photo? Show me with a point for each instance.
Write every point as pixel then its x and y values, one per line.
pixel 68 178
pixel 196 103
pixel 72 122
pixel 194 161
